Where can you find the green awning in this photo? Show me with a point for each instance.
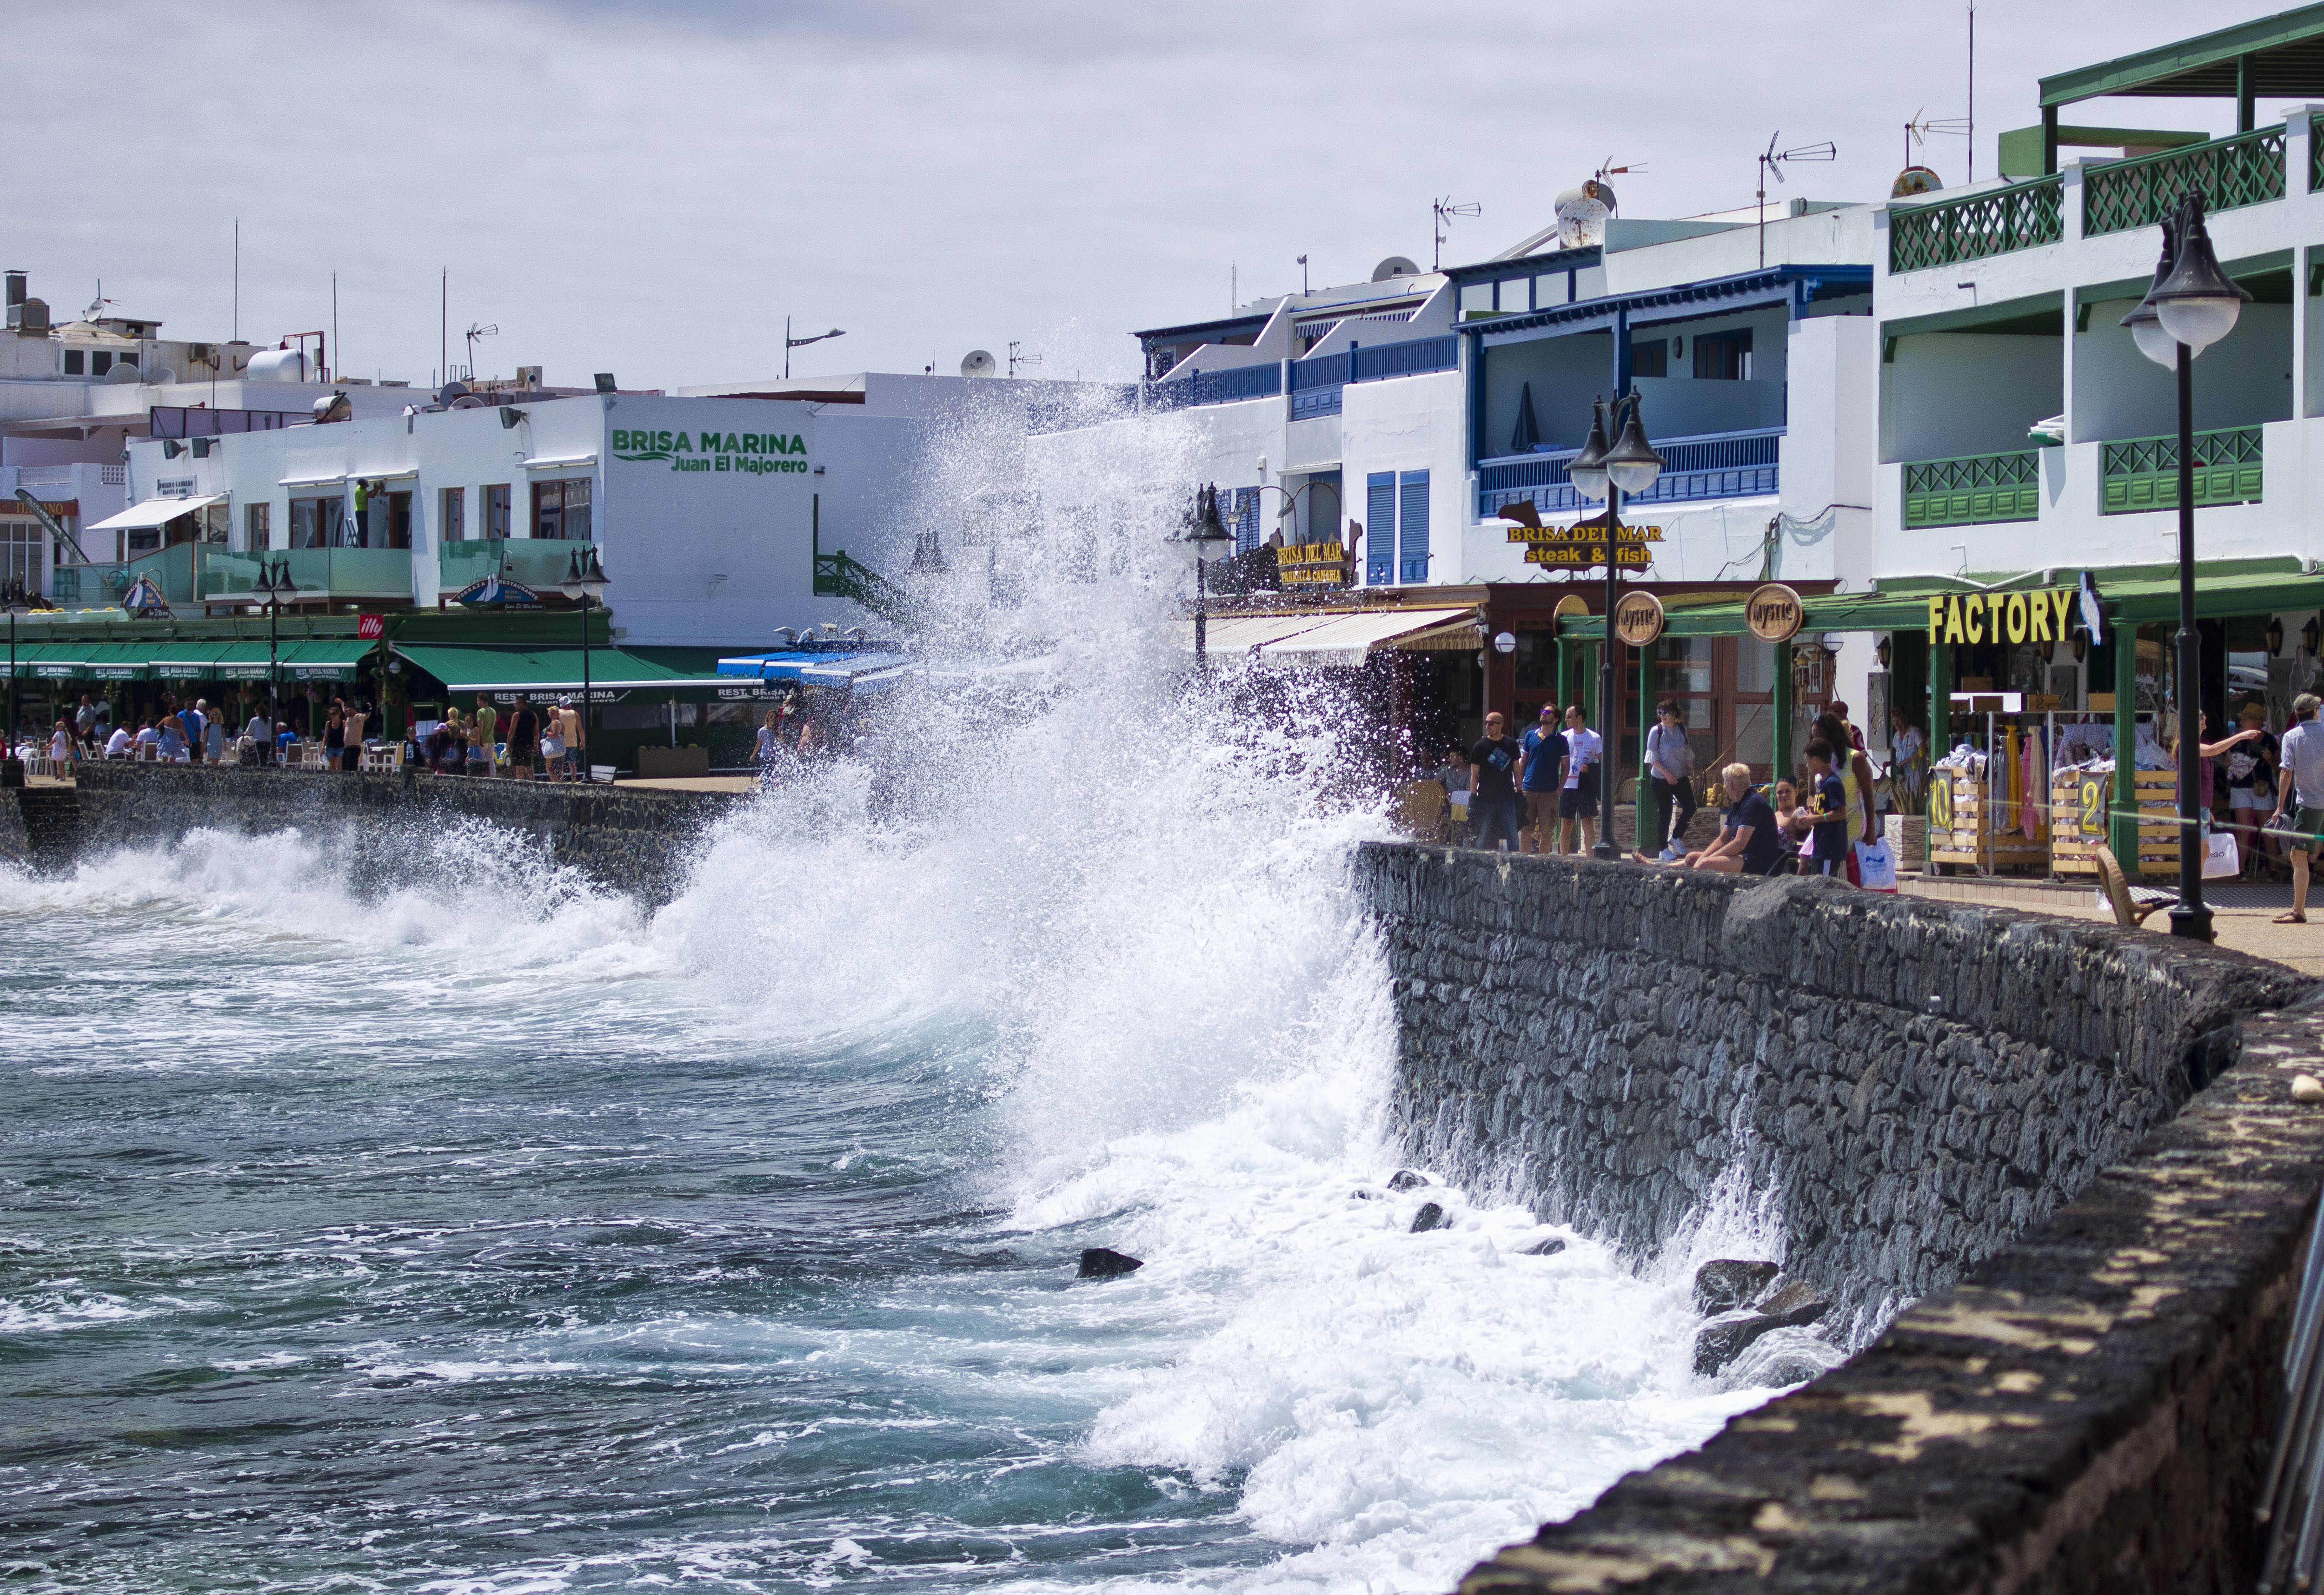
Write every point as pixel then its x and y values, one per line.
pixel 315 659
pixel 511 670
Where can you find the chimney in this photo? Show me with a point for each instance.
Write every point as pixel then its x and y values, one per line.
pixel 15 288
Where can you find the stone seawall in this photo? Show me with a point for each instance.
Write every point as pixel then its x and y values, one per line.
pixel 1910 1084
pixel 634 840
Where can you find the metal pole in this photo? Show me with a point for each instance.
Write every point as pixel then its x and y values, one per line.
pixel 1201 629
pixel 1607 707
pixel 576 753
pixel 2189 917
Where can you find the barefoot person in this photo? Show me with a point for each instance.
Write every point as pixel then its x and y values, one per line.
pixel 2300 781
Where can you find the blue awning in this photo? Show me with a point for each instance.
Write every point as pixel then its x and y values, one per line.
pixel 841 672
pixel 777 666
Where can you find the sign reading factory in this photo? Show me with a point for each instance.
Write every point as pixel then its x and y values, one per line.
pixel 1312 564
pixel 1583 544
pixel 756 453
pixel 2001 617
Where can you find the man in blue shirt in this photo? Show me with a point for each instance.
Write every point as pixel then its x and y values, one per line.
pixel 1828 851
pixel 1543 749
pixel 1747 843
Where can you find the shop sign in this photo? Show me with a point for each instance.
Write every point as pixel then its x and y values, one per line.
pixel 322 672
pixel 1593 532
pixel 1312 564
pixel 752 454
pixel 2039 616
pixel 1638 618
pixel 758 692
pixel 55 672
pixel 1581 556
pixel 1940 803
pixel 1774 613
pixel 181 672
pixel 371 628
pixel 2090 798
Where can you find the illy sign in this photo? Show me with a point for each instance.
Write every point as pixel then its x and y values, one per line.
pixel 371 628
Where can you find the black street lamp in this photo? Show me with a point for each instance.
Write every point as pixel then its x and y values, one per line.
pixel 274 582
pixel 1204 541
pixel 16 600
pixel 2191 305
pixel 1630 467
pixel 586 585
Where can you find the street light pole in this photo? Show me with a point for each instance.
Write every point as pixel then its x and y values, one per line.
pixel 2192 305
pixel 1205 540
pixel 1630 466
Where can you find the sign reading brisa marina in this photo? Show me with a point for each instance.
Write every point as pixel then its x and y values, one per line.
pixel 755 454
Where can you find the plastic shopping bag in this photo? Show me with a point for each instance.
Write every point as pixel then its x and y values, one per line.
pixel 1877 865
pixel 2221 859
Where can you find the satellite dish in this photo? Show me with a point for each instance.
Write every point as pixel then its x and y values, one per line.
pixel 1913 181
pixel 160 374
pixel 465 401
pixel 124 374
pixel 978 362
pixel 1581 214
pixel 1396 265
pixel 450 392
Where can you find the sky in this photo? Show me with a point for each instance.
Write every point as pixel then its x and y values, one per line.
pixel 651 189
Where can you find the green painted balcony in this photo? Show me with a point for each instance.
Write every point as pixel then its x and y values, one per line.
pixel 2142 474
pixel 535 562
pixel 1974 490
pixel 2022 216
pixel 2247 168
pixel 318 574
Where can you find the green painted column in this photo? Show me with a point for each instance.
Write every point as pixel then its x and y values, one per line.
pixel 1941 698
pixel 2123 829
pixel 1561 649
pixel 1781 740
pixel 1644 801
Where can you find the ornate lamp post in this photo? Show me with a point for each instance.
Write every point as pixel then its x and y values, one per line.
pixel 2191 305
pixel 1630 467
pixel 274 582
pixel 585 584
pixel 1205 541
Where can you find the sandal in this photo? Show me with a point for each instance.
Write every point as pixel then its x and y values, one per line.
pixel 2294 917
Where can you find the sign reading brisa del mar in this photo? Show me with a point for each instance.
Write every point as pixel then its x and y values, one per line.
pixel 757 454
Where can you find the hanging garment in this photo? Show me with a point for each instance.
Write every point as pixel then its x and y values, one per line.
pixel 2031 784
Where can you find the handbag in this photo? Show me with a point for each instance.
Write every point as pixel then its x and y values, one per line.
pixel 2221 858
pixel 1877 865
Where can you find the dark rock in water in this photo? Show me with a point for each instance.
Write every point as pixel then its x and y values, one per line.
pixel 1429 1216
pixel 1100 1263
pixel 1545 1249
pixel 1789 1308
pixel 1403 1179
pixel 1730 1283
pixel 1360 1196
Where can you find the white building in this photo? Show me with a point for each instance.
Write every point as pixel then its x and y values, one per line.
pixel 717 515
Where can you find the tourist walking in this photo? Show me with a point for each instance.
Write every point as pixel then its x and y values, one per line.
pixel 1493 803
pixel 1826 851
pixel 2251 788
pixel 1670 769
pixel 570 728
pixel 2300 787
pixel 86 720
pixel 1577 798
pixel 552 745
pixel 1544 750
pixel 486 737
pixel 213 731
pixel 523 739
pixel 60 750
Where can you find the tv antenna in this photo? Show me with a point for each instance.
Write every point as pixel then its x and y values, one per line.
pixel 1923 126
pixel 1606 169
pixel 1771 160
pixel 472 334
pixel 1016 357
pixel 1447 209
pixel 96 306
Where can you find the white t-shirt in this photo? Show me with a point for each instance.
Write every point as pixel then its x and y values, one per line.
pixel 1582 748
pixel 118 742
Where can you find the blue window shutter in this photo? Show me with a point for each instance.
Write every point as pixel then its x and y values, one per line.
pixel 1379 528
pixel 1412 551
pixel 1246 519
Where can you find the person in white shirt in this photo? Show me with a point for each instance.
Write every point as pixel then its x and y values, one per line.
pixel 116 746
pixel 2299 786
pixel 1577 802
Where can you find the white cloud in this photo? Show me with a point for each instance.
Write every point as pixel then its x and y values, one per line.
pixel 649 189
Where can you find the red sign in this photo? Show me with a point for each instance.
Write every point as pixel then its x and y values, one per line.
pixel 371 628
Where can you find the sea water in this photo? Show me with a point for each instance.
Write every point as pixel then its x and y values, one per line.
pixel 419 1216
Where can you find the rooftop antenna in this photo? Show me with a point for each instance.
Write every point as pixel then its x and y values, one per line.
pixel 1772 160
pixel 1972 91
pixel 1922 126
pixel 1016 358
pixel 472 334
pixel 326 376
pixel 1303 276
pixel 96 306
pixel 1606 169
pixel 444 326
pixel 237 288
pixel 1446 210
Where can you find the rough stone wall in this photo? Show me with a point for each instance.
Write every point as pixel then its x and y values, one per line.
pixel 2087 1412
pixel 15 840
pixel 1912 1083
pixel 631 839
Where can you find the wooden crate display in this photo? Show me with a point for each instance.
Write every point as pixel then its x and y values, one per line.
pixel 1967 826
pixel 2158 822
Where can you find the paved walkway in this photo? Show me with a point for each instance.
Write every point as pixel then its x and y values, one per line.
pixel 2242 916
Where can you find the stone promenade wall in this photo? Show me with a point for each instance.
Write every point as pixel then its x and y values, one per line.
pixel 1911 1083
pixel 632 839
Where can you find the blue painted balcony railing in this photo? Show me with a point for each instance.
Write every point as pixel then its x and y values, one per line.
pixel 1220 387
pixel 1714 465
pixel 1315 386
pixel 1315 383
